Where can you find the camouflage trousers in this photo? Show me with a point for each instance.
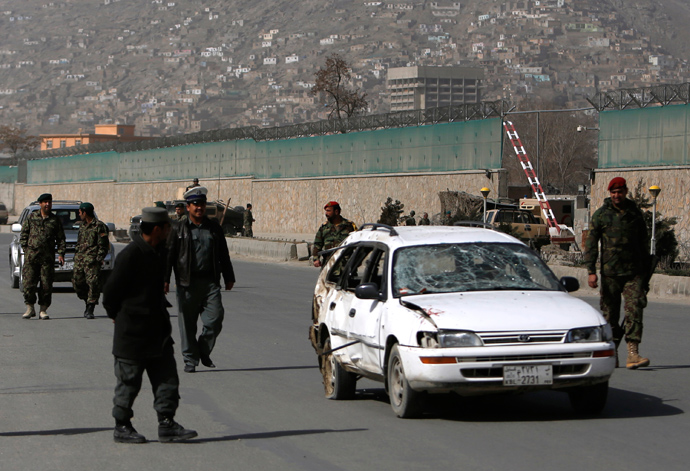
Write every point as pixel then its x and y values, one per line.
pixel 86 281
pixel 630 287
pixel 33 273
pixel 248 232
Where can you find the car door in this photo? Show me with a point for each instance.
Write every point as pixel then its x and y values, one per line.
pixel 366 314
pixel 363 316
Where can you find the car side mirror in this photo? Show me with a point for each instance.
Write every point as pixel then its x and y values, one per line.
pixel 570 283
pixel 16 227
pixel 367 291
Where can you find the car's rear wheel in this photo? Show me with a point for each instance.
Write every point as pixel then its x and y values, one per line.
pixel 589 400
pixel 338 383
pixel 405 401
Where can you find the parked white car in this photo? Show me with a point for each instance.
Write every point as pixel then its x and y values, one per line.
pixel 437 309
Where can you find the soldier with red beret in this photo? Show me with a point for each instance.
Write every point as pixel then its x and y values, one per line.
pixel 331 233
pixel 620 228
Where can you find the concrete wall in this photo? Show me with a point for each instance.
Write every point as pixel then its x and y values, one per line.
pixel 279 205
pixel 7 195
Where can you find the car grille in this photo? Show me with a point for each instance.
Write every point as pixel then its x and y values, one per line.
pixel 512 338
pixel 497 373
pixel 540 357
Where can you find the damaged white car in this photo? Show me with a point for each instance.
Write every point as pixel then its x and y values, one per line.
pixel 454 309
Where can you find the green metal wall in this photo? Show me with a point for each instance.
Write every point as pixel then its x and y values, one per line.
pixel 653 136
pixel 8 174
pixel 466 145
pixel 74 168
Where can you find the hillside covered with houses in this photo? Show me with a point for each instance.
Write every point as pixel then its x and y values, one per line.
pixel 173 67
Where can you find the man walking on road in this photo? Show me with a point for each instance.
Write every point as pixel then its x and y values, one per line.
pixel 41 233
pixel 142 342
pixel 92 247
pixel 331 233
pixel 625 263
pixel 198 254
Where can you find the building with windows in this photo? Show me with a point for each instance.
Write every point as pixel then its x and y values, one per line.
pixel 421 87
pixel 102 133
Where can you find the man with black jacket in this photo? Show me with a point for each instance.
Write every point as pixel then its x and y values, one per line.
pixel 198 254
pixel 134 299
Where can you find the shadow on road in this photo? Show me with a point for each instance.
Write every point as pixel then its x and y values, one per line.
pixel 267 368
pixel 276 434
pixel 61 431
pixel 533 407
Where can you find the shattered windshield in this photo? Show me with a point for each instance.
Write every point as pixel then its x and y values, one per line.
pixel 449 268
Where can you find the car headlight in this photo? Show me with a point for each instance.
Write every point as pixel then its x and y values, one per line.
pixel 459 338
pixel 601 333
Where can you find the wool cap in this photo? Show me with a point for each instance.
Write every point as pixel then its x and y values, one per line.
pixel 154 215
pixel 45 197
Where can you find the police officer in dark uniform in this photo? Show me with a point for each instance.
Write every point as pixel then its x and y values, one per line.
pixel 142 342
pixel 198 254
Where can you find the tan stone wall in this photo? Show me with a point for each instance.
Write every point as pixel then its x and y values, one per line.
pixel 286 206
pixel 673 201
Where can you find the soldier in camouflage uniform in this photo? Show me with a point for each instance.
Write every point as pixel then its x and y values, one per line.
pixel 625 263
pixel 425 220
pixel 248 221
pixel 409 220
pixel 331 233
pixel 92 247
pixel 41 233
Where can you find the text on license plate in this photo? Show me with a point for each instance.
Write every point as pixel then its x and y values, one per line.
pixel 527 375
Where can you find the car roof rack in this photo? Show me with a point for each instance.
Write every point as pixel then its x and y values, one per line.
pixel 485 225
pixel 376 226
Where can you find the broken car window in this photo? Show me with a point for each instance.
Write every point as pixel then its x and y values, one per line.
pixel 449 268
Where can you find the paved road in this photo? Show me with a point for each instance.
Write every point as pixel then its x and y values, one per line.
pixel 263 407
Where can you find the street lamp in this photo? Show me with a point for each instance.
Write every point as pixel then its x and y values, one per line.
pixel 485 193
pixel 654 190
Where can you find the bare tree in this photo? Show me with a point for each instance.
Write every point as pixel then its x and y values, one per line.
pixel 14 140
pixel 565 155
pixel 331 82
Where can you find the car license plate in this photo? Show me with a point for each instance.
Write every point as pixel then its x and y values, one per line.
pixel 527 375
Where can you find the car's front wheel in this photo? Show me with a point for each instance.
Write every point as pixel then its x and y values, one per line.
pixel 338 383
pixel 589 400
pixel 405 401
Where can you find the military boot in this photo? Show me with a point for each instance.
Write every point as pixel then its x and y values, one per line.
pixel 171 431
pixel 89 310
pixel 634 359
pixel 125 433
pixel 43 315
pixel 30 312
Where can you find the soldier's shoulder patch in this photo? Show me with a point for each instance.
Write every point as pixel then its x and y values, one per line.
pixel 103 234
